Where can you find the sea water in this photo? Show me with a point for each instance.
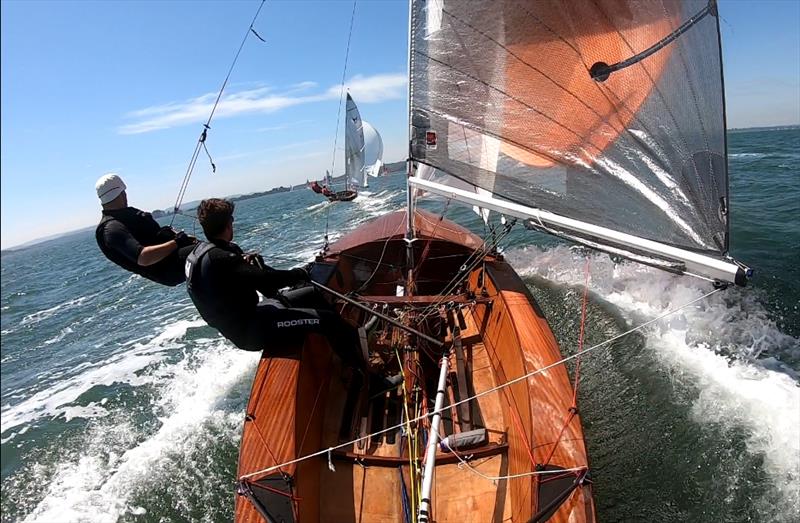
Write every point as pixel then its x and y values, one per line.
pixel 120 404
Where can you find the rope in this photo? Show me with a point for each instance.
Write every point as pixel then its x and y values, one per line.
pixel 380 260
pixel 339 117
pixel 573 410
pixel 485 392
pixel 427 248
pixel 473 260
pixel 341 90
pixel 206 126
pixel 412 442
pixel 466 464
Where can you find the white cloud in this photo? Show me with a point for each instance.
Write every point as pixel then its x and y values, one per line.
pixel 370 89
pixel 283 126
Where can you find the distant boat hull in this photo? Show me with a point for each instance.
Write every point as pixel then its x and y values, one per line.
pixel 343 196
pixel 497 332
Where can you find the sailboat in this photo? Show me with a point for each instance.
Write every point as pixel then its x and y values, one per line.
pixel 599 122
pixel 363 156
pixel 363 147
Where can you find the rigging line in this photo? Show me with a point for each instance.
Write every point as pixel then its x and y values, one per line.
pixel 380 259
pixel 573 409
pixel 466 464
pixel 427 248
pixel 410 437
pixel 327 221
pixel 524 377
pixel 582 334
pixel 471 262
pixel 468 266
pixel 341 90
pixel 185 182
pixel 206 126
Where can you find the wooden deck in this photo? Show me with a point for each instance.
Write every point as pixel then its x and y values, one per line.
pixel 297 407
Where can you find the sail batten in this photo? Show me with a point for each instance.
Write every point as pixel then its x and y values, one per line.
pixel 640 151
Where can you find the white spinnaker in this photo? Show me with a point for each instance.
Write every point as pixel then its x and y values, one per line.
pixel 354 145
pixel 373 152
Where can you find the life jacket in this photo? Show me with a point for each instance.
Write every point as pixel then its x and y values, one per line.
pixel 166 272
pixel 196 270
pixel 196 262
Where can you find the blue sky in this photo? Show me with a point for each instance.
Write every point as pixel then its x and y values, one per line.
pixel 93 87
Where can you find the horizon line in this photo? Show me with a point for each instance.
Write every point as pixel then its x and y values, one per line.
pixel 54 236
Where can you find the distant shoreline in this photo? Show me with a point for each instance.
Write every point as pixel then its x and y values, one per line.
pixel 159 213
pixel 391 168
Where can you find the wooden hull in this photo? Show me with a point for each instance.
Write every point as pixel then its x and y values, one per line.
pixel 496 333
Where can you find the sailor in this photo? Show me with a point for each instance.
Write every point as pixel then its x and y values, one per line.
pixel 135 241
pixel 222 281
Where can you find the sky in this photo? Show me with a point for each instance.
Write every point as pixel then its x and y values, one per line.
pixel 125 86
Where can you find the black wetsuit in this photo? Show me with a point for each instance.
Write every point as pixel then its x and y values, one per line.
pixel 123 233
pixel 223 287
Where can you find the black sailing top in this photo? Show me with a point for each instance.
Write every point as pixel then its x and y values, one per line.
pixel 223 286
pixel 123 233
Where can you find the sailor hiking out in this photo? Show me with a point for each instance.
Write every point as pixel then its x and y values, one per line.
pixel 224 282
pixel 135 241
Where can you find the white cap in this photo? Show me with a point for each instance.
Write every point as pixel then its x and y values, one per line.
pixel 108 187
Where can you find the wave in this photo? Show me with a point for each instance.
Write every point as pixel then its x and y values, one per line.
pixel 56 398
pixel 60 336
pixel 746 155
pixel 736 389
pixel 102 480
pixel 38 316
pixel 372 205
pixel 317 206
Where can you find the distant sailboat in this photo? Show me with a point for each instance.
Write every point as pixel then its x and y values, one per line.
pixel 363 157
pixel 363 147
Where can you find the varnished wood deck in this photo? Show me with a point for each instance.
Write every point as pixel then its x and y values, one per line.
pixel 297 407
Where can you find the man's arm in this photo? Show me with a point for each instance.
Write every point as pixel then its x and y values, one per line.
pixel 265 280
pixel 155 253
pixel 121 240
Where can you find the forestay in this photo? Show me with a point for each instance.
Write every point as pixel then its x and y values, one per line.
pixel 608 114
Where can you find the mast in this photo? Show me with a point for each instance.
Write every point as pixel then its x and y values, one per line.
pixel 409 164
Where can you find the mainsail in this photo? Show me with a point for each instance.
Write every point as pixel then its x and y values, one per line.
pixel 609 118
pixel 353 145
